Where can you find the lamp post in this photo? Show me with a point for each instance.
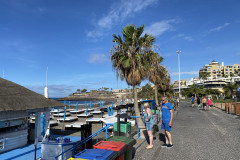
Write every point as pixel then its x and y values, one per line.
pixel 178 52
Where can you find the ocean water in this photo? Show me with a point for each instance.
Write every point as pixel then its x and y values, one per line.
pixel 80 103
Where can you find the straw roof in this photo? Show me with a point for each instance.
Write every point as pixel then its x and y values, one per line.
pixel 15 97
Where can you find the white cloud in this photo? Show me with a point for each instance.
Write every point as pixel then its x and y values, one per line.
pixel 97 58
pixel 219 27
pixel 191 73
pixel 158 28
pixel 187 38
pixel 118 13
pixel 95 33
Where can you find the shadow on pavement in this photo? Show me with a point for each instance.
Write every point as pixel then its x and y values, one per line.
pixel 146 136
pixel 162 137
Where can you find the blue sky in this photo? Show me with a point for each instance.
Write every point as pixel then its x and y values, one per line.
pixel 73 39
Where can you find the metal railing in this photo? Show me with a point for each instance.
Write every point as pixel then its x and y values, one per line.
pixel 87 139
pixel 136 117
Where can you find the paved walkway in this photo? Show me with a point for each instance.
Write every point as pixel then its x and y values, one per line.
pixel 198 135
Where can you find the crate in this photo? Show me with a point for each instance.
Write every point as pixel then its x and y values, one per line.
pixel 125 127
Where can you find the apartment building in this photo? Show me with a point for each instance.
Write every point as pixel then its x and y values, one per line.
pixel 216 70
pixel 231 71
pixel 183 82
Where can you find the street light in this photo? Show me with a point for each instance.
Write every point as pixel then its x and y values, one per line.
pixel 178 52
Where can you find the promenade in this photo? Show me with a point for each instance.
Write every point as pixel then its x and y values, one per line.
pixel 198 135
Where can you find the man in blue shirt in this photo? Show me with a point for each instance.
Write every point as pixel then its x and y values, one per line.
pixel 192 100
pixel 166 121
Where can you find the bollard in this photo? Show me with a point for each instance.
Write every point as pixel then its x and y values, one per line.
pixel 232 110
pixel 89 133
pixel 86 131
pixel 226 107
pixel 237 108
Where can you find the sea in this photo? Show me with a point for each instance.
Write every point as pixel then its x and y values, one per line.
pixel 80 103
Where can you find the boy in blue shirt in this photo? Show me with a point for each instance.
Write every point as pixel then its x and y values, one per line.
pixel 166 121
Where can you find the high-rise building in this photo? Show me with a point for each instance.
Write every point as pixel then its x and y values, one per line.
pixel 215 70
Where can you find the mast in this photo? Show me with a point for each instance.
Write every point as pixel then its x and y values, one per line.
pixel 46 89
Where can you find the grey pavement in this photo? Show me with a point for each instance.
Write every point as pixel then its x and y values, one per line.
pixel 198 135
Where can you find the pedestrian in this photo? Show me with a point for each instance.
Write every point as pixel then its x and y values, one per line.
pixel 166 121
pixel 178 102
pixel 209 103
pixel 204 103
pixel 149 124
pixel 192 100
pixel 198 102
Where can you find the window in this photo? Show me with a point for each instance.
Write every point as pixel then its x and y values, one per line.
pixel 230 69
pixel 226 69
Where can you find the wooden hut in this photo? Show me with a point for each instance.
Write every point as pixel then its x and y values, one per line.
pixel 16 104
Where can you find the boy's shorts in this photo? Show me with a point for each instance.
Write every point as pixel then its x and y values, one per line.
pixel 165 126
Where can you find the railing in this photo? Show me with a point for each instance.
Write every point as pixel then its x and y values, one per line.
pixel 137 125
pixel 87 139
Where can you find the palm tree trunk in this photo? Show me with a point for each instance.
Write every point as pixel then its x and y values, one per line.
pixel 137 112
pixel 164 94
pixel 156 97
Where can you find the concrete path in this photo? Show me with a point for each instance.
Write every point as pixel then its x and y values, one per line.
pixel 198 135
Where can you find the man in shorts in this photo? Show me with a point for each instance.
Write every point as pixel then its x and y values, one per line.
pixel 204 103
pixel 192 100
pixel 166 121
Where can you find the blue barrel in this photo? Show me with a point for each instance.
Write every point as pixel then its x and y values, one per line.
pixel 98 154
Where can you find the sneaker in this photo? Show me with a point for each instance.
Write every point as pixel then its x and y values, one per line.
pixel 164 145
pixel 169 146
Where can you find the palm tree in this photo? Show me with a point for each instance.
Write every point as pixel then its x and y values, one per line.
pixel 204 75
pixel 164 84
pixel 230 88
pixel 78 90
pixel 155 72
pixel 129 57
pixel 195 90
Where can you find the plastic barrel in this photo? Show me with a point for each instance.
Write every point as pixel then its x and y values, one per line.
pixel 99 154
pixel 119 147
pixel 128 141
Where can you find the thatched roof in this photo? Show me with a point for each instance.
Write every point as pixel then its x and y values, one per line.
pixel 15 97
